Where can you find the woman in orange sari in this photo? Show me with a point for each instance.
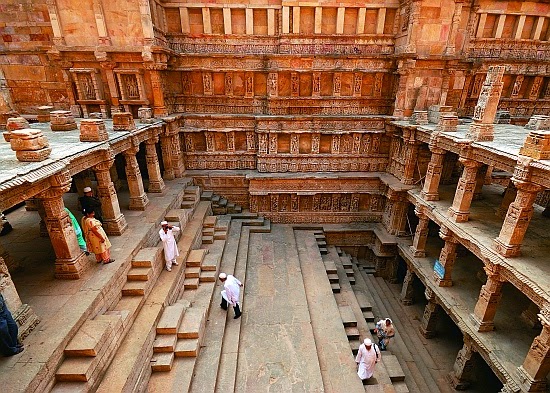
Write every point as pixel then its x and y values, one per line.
pixel 96 238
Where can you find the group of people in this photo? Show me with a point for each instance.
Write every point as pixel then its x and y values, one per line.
pixel 369 353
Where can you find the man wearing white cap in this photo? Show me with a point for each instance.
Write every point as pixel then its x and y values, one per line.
pixel 367 357
pixel 89 201
pixel 230 293
pixel 166 234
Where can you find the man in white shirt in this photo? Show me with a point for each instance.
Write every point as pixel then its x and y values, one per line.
pixel 169 244
pixel 367 357
pixel 230 293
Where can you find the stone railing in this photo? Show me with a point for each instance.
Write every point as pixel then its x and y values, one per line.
pixel 508 49
pixel 341 45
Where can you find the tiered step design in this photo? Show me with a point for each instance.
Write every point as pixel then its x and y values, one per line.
pixel 221 205
pixel 193 268
pixel 146 267
pixel 191 197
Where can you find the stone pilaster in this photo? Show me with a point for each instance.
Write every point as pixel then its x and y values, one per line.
pixel 487 303
pixel 463 369
pixel 114 222
pixel 172 156
pixel 536 366
pixel 394 218
pixel 433 174
pixel 516 222
pixel 138 197
pixel 509 196
pixel 420 235
pixel 447 258
pixel 70 261
pixel 430 316
pixel 460 209
pixel 480 182
pixel 407 291
pixel 411 159
pixel 156 184
pixel 159 106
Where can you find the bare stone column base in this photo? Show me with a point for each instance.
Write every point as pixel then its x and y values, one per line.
pixel 26 320
pixel 506 250
pixel 528 384
pixel 482 326
pixel 71 269
pixel 156 186
pixel 417 253
pixel 481 132
pixel 456 383
pixel 458 216
pixel 115 227
pixel 430 196
pixel 138 203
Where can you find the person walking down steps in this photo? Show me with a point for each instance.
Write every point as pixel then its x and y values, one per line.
pixel 231 292
pixel 385 332
pixel 367 357
pixel 169 244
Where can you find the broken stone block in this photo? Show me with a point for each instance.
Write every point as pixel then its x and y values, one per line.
pixel 145 115
pixel 33 155
pixel 62 121
pixel 481 132
pixel 435 111
pixel 93 130
pixel 537 145
pixel 14 123
pixel 502 117
pixel 43 115
pixel 95 115
pixel 419 117
pixel 123 121
pixel 4 118
pixel 538 122
pixel 448 122
pixel 28 139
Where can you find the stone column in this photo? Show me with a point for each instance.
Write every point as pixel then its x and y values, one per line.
pixel 70 261
pixel 114 223
pixel 447 259
pixel 463 369
pixel 433 173
pixel 460 209
pixel 480 181
pixel 430 316
pixel 418 247
pixel 159 106
pixel 156 184
pixel 413 27
pixel 394 218
pixel 172 156
pixel 411 158
pixel 516 222
pixel 138 197
pixel 489 296
pixel 509 196
pixel 536 366
pixel 407 291
pixel 455 25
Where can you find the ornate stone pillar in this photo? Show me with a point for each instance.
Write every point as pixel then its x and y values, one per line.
pixel 114 222
pixel 156 184
pixel 516 222
pixel 480 182
pixel 455 24
pixel 172 156
pixel 413 27
pixel 489 296
pixel 394 218
pixel 460 209
pixel 536 366
pixel 407 291
pixel 421 234
pixel 70 261
pixel 138 197
pixel 159 107
pixel 430 316
pixel 411 158
pixel 509 196
pixel 433 174
pixel 463 369
pixel 447 258
pixel 22 313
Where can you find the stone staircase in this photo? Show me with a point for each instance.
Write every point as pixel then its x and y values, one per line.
pixel 221 205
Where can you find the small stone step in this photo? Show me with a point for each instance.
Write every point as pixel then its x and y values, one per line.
pixel 354 345
pixel 220 235
pixel 191 283
pixel 219 210
pixel 319 236
pixel 330 267
pixel 187 205
pixel 139 273
pixel 222 224
pixel 339 251
pixel 245 215
pixel 322 243
pixel 170 320
pixel 207 195
pixel 77 369
pixel 255 222
pixel 147 257
pixel 208 239
pixel 134 288
pixel 351 280
pixel 335 288
pixel 347 316
pixel 209 222
pixel 164 343
pixel 192 272
pixel 349 272
pixel 352 332
pixel 323 250
pixel 187 348
pixel 188 198
pixel 177 216
pixel 91 336
pixel 393 368
pixel 369 269
pixel 369 316
pixel 208 276
pixel 363 301
pixel 192 190
pixel 333 278
pixel 208 231
pixel 222 202
pixel 237 209
pixel 215 198
pixel 230 206
pixel 193 323
pixel 265 228
pixel 196 257
pixel 211 262
pixel 162 361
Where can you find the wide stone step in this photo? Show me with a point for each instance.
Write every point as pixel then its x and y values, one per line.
pixel 347 316
pixel 364 301
pixel 330 267
pixel 335 288
pixel 333 278
pixel 162 361
pixel 191 283
pixel 187 348
pixel 164 343
pixel 192 272
pixel 208 276
pixel 195 257
pixel 210 262
pixel 147 257
pixel 369 316
pixel 92 335
pixel 207 195
pixel 208 239
pixel 210 222
pixel 135 288
pixel 393 367
pixel 220 235
pixel 208 231
pixel 244 215
pixel 255 222
pixel 193 323
pixel 140 273
pixel 77 369
pixel 352 332
pixel 171 318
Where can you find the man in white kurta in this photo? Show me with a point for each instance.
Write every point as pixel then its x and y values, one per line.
pixel 231 292
pixel 367 357
pixel 169 244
